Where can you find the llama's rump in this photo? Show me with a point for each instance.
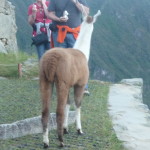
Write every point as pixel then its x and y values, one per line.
pixel 69 65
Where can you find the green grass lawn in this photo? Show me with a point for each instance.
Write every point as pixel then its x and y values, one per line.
pixel 9 65
pixel 20 99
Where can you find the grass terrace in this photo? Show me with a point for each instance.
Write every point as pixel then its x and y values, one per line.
pixel 20 99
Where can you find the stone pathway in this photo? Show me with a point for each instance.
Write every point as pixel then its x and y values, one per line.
pixel 130 117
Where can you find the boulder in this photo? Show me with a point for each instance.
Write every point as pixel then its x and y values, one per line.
pixel 8 41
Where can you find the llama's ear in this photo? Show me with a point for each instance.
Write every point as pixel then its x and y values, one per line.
pixel 96 15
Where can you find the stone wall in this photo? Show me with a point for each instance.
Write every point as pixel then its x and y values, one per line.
pixel 8 28
pixel 30 126
pixel 130 117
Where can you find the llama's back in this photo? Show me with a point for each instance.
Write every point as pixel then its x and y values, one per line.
pixel 68 65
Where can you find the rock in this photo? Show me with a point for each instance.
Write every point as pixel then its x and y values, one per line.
pixel 130 117
pixel 30 126
pixel 3 78
pixel 2 48
pixel 8 41
pixel 135 81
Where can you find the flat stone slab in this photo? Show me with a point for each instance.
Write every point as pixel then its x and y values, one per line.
pixel 130 117
pixel 3 78
pixel 29 126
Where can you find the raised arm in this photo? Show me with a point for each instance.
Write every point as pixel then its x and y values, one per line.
pixel 51 14
pixel 45 7
pixel 81 7
pixel 32 16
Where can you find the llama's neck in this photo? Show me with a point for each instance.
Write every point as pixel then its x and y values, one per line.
pixel 83 41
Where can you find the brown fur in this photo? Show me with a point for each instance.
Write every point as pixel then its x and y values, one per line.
pixel 66 68
pixel 89 19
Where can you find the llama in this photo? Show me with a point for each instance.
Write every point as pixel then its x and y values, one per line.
pixel 66 67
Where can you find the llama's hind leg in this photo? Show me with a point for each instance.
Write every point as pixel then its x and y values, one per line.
pixel 62 93
pixel 78 94
pixel 67 108
pixel 46 92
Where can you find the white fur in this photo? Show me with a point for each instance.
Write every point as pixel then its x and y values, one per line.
pixel 67 108
pixel 78 119
pixel 45 137
pixel 96 15
pixel 83 41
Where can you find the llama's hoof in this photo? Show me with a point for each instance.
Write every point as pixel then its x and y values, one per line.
pixel 66 131
pixel 80 132
pixel 87 93
pixel 62 144
pixel 46 145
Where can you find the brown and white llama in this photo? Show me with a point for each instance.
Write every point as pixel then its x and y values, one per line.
pixel 66 67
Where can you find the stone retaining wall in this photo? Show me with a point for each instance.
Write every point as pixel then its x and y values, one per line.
pixel 29 126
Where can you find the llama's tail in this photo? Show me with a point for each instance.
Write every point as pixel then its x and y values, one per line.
pixel 48 66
